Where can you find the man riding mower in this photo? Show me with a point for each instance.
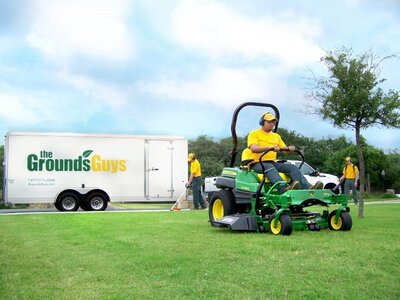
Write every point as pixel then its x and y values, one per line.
pixel 248 201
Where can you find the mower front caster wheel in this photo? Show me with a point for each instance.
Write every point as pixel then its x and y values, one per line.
pixel 284 225
pixel 344 222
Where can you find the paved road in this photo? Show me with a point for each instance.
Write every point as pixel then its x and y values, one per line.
pixel 110 208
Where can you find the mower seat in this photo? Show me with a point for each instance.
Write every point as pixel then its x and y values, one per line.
pixel 247 162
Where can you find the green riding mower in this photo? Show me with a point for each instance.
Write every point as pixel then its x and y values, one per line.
pixel 247 201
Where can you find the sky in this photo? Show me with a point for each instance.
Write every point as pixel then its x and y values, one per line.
pixel 158 67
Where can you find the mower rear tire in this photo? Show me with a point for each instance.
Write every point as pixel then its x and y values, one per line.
pixel 283 227
pixel 222 204
pixel 344 223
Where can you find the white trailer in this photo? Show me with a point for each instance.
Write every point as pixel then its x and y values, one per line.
pixel 75 170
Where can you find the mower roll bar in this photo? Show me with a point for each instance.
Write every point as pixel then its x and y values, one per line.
pixel 234 120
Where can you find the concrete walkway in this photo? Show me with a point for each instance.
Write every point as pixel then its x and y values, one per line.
pixel 383 202
pixel 53 210
pixel 113 209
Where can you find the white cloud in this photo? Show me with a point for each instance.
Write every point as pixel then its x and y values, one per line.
pixel 224 87
pixel 105 93
pixel 94 28
pixel 21 107
pixel 13 109
pixel 220 32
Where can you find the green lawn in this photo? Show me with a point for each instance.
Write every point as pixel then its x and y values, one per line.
pixel 178 255
pixel 144 206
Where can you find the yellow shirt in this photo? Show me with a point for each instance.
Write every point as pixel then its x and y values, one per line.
pixel 262 138
pixel 350 171
pixel 195 168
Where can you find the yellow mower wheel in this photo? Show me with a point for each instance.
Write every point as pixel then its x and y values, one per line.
pixel 222 204
pixel 284 225
pixel 218 209
pixel 343 223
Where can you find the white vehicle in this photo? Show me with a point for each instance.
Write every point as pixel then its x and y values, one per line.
pixel 209 187
pixel 330 181
pixel 89 170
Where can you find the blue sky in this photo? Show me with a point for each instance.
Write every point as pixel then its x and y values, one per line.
pixel 180 67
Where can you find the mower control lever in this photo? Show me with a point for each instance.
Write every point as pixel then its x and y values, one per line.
pixel 280 150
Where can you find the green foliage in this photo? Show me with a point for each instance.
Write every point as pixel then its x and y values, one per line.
pixel 326 154
pixel 374 197
pixel 4 206
pixel 392 177
pixel 375 162
pixel 351 96
pixel 213 154
pixel 208 152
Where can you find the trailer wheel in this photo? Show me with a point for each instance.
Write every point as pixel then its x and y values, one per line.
pixel 84 204
pixel 97 202
pixel 67 202
pixel 283 227
pixel 344 223
pixel 222 204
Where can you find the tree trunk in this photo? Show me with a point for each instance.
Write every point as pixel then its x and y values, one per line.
pixel 368 184
pixel 362 173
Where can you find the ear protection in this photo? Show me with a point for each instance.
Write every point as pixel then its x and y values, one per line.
pixel 262 119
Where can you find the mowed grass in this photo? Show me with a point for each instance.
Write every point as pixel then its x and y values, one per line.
pixel 178 255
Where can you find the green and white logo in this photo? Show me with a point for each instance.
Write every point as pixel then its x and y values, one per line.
pixel 45 161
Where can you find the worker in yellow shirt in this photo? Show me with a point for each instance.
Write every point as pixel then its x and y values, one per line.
pixel 196 182
pixel 262 139
pixel 350 175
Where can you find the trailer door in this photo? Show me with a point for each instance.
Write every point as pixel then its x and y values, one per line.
pixel 159 164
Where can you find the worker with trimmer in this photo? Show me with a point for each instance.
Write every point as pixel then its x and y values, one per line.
pixel 350 177
pixel 196 182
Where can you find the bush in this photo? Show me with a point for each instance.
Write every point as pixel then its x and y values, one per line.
pixel 379 196
pixel 5 206
pixel 387 196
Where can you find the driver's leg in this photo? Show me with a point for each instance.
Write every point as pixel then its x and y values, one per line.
pixel 270 172
pixel 294 173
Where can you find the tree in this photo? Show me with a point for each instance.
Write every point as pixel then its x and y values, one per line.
pixel 392 177
pixel 208 152
pixel 214 155
pixel 350 97
pixel 325 154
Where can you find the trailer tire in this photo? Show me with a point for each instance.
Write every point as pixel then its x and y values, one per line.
pixel 84 204
pixel 97 201
pixel 284 225
pixel 345 223
pixel 67 202
pixel 222 204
